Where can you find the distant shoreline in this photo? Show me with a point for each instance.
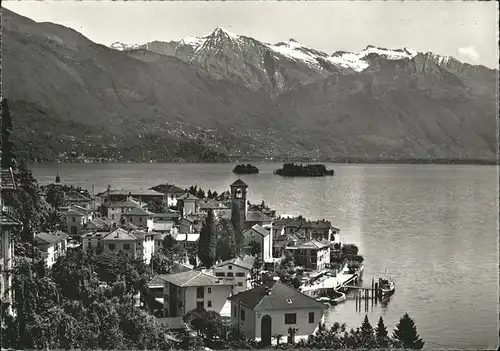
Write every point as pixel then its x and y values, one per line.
pixel 303 161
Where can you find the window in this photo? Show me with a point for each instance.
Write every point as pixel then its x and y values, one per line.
pixel 209 290
pixel 240 274
pixel 126 246
pixel 290 318
pixel 220 274
pixel 311 317
pixel 200 292
pixel 229 274
pixel 73 219
pixel 111 246
pixel 209 303
pixel 140 219
pixel 235 311
pixel 112 216
pixel 240 284
pixel 112 209
pixel 242 315
pixel 229 267
pixel 200 305
pixel 130 219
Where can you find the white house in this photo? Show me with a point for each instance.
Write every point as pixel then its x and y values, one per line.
pixel 261 236
pixel 136 243
pixel 52 246
pixel 186 291
pixel 76 219
pixel 276 309
pixel 236 270
pixel 188 203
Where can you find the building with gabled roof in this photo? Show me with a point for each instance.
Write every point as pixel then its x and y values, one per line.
pixel 312 254
pixel 188 204
pixel 74 197
pixel 138 244
pixel 171 191
pixel 275 309
pixel 52 245
pixel 186 291
pixel 258 240
pixel 139 217
pixel 117 195
pixel 237 270
pixel 77 218
pixel 116 209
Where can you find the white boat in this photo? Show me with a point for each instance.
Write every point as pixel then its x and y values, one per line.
pixel 324 300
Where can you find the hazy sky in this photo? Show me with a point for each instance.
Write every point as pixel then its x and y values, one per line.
pixel 465 30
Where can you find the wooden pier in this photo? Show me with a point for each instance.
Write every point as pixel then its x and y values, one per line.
pixel 364 295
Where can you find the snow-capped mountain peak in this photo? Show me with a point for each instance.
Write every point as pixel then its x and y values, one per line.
pixel 122 46
pixel 222 31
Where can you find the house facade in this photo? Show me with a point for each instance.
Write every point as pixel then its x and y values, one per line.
pixel 77 218
pixel 171 191
pixel 75 198
pixel 8 223
pixel 276 309
pixel 186 291
pixel 188 204
pixel 312 254
pixel 261 236
pixel 92 241
pixel 52 245
pixel 116 209
pixel 236 270
pixel 141 218
pixel 137 244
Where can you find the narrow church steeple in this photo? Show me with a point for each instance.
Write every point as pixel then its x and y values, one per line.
pixel 58 179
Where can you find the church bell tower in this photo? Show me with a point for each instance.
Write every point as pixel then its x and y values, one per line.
pixel 239 206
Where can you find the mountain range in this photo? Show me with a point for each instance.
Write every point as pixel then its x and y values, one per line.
pixel 224 96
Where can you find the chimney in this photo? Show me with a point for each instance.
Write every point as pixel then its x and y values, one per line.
pixel 109 187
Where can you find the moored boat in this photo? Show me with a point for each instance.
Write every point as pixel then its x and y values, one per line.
pixel 339 297
pixel 387 287
pixel 324 300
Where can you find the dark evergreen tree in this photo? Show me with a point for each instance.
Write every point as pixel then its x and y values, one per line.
pixel 200 194
pixel 405 334
pixel 209 194
pixel 8 157
pixel 156 206
pixel 207 243
pixel 367 334
pixel 226 244
pixel 382 335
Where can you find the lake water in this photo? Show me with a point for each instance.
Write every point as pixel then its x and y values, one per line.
pixel 434 228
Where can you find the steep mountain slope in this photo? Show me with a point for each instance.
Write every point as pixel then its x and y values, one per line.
pixel 401 109
pixel 205 98
pixel 53 73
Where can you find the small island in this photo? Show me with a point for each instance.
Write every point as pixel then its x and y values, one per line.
pixel 310 170
pixel 245 169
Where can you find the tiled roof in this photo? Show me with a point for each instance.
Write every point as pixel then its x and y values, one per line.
pixel 74 212
pixel 259 229
pixel 274 296
pixel 131 192
pixel 188 196
pixel 169 214
pixel 257 216
pixel 137 211
pixel 120 234
pixel 130 203
pixel 207 204
pixel 239 182
pixel 247 264
pixel 97 234
pixel 7 179
pixel 48 238
pixel 194 278
pixel 287 237
pixel 76 196
pixel 317 224
pixel 101 222
pixel 311 244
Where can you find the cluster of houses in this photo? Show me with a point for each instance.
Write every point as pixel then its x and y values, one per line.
pixel 125 224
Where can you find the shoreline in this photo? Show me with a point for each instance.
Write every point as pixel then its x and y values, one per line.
pixel 362 162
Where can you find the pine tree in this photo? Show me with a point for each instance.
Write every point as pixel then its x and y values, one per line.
pixel 8 157
pixel 367 334
pixel 207 243
pixel 226 244
pixel 381 333
pixel 405 334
